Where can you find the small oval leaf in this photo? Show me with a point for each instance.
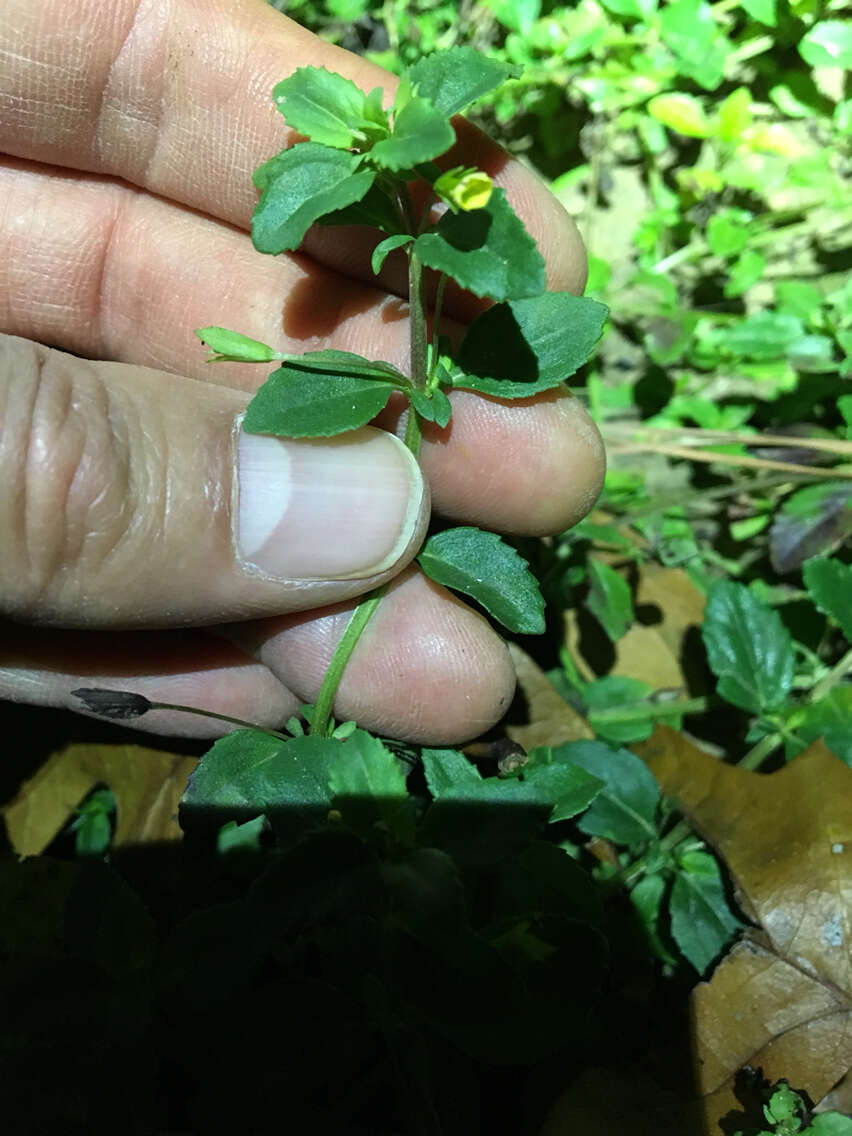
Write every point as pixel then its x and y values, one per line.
pixel 484 567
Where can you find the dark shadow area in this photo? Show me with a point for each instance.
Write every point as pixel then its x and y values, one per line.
pixel 316 979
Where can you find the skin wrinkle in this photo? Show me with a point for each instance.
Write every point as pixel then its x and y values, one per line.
pixel 227 131
pixel 134 105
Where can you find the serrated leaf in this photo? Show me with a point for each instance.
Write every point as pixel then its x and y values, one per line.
pixel 452 79
pixel 295 404
pixel 610 599
pixel 519 348
pixel 386 246
pixel 483 566
pixel 368 788
pixel 487 251
pixel 248 772
pixel 701 921
pixel 420 132
pixel 749 649
pixel 682 113
pixel 231 346
pixel 625 809
pixel 298 187
pixel 323 105
pixel 829 584
pixel 551 783
pixel 553 777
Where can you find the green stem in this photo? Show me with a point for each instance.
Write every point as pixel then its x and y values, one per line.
pixel 369 603
pixel 759 753
pixel 412 430
pixel 219 717
pixel 436 319
pixel 419 335
pixel 642 710
pixel 837 672
pixel 342 652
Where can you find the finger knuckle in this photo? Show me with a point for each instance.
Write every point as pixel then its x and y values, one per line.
pixel 63 480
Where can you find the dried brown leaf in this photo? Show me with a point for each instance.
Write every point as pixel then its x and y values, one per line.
pixel 551 720
pixel 147 785
pixel 782 1001
pixel 655 650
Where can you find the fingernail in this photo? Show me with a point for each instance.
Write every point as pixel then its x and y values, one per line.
pixel 325 509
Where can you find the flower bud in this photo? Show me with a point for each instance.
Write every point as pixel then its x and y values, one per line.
pixel 464 189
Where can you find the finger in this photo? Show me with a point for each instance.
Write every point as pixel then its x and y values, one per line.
pixel 129 497
pixel 103 270
pixel 134 90
pixel 190 668
pixel 412 675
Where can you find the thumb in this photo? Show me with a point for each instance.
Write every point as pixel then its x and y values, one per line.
pixel 130 497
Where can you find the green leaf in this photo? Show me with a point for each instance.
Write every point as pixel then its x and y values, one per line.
pixel 828 44
pixel 702 923
pixel 745 272
pixel 610 599
pixel 330 361
pixel 487 251
pixel 682 113
pixel 388 245
pixel 831 1124
pixel 735 115
pixel 298 187
pixel 324 106
pixel 433 408
pixel 293 404
pixel 829 719
pixel 233 837
pixel 420 133
pixel 625 809
pixel 748 647
pixel 689 30
pixel 550 781
pixel 248 772
pixel 519 348
pixel 452 79
pixel 625 698
pixel 727 232
pixel 231 347
pixel 368 788
pixel 829 583
pixel 764 11
pixel 765 335
pixel 647 899
pixel 375 209
pixel 553 777
pixel 482 566
pixel 638 9
pixel 449 773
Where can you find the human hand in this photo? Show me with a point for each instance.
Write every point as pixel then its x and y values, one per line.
pixel 131 133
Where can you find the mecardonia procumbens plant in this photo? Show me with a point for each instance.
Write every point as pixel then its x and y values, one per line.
pixel 358 167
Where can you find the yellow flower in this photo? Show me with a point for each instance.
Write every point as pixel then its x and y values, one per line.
pixel 465 189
